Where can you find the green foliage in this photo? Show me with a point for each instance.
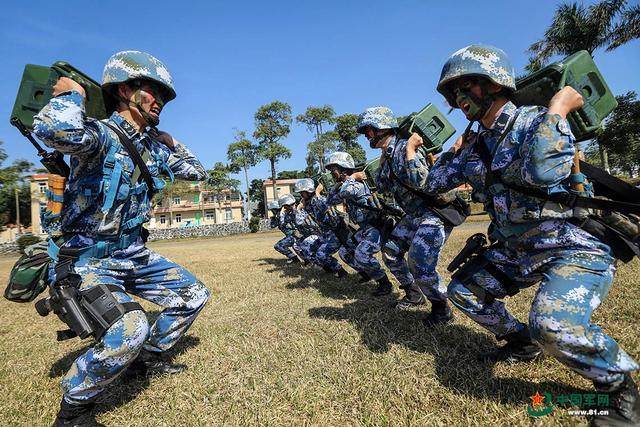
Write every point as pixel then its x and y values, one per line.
pixel 314 118
pixel 606 24
pixel 12 177
pixel 254 224
pixel 292 174
pixel 220 180
pixel 273 122
pixel 27 240
pixel 621 136
pixel 346 130
pixel 242 153
pixel 320 148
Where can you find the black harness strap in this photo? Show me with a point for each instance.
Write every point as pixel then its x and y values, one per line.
pixel 135 155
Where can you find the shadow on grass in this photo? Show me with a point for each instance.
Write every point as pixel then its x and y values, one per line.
pixel 454 348
pixel 125 388
pixel 309 277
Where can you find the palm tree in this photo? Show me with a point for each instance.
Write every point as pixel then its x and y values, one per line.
pixel 607 24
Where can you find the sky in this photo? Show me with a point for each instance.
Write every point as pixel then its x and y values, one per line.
pixel 229 58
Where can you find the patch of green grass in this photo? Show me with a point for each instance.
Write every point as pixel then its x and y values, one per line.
pixel 288 345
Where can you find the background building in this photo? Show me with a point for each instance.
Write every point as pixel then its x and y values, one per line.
pixel 283 186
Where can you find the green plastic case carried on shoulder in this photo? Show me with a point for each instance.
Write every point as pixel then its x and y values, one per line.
pixel 371 169
pixel 580 72
pixel 36 89
pixel 431 125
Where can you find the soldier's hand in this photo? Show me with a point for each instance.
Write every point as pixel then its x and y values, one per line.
pixel 359 176
pixel 415 141
pixel 65 84
pixel 163 138
pixel 565 101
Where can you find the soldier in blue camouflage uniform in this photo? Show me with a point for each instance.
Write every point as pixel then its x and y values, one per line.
pixel 536 240
pixel 104 209
pixel 316 207
pixel 421 233
pixel 355 194
pixel 286 222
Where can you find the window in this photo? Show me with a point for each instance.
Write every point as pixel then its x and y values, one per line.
pixel 42 187
pixel 163 219
pixel 178 217
pixel 210 215
pixel 228 214
pixel 176 200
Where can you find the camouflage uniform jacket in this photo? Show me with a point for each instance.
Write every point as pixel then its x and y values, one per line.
pixel 354 193
pixel 318 208
pixel 287 222
pixel 98 207
pixel 305 224
pixel 410 172
pixel 537 152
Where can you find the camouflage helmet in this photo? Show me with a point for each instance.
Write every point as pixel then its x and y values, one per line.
pixel 378 118
pixel 342 159
pixel 477 60
pixel 131 65
pixel 273 205
pixel 286 199
pixel 304 184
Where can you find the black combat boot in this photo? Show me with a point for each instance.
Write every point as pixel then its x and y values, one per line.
pixel 440 314
pixel 364 278
pixel 384 287
pixel 75 415
pixel 342 273
pixel 519 348
pixel 624 405
pixel 149 363
pixel 327 269
pixel 413 298
pixel 293 260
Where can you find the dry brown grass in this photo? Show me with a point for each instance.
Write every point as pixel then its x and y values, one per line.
pixel 285 345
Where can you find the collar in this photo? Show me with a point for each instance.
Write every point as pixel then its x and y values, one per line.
pixel 388 151
pixel 501 122
pixel 123 124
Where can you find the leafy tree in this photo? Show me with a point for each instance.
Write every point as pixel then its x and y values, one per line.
pixel 606 24
pixel 11 178
pixel 256 195
pixel 273 122
pixel 346 129
pixel 317 150
pixel 169 192
pixel 314 118
pixel 243 154
pixel 621 135
pixel 292 174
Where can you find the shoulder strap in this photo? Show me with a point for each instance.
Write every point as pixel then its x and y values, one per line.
pixel 135 155
pixel 568 199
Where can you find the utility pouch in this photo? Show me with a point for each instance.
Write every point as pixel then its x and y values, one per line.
pixel 580 72
pixel 455 212
pixel 29 276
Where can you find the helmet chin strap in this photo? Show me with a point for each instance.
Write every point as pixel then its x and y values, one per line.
pixel 152 121
pixel 373 142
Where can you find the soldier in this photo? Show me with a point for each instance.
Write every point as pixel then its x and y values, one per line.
pixel 328 221
pixel 363 211
pixel 421 233
pixel 102 249
pixel 536 240
pixel 286 222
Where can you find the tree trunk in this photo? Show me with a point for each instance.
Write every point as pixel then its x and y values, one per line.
pixel 247 212
pixel 604 158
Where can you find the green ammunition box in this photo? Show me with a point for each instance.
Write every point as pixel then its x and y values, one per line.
pixel 326 179
pixel 431 125
pixel 371 169
pixel 35 91
pixel 580 72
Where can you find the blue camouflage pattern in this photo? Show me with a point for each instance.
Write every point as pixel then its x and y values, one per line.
pixel 102 204
pixel 308 247
pixel 133 64
pixel 287 224
pixel 378 118
pixel 537 244
pixel 151 277
pixel 477 60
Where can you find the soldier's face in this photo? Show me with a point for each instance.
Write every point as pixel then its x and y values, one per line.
pixel 374 136
pixel 468 96
pixel 335 172
pixel 147 97
pixel 305 195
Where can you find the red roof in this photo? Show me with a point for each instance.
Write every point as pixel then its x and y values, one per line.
pixel 279 181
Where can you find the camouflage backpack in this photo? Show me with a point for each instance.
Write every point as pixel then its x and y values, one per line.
pixel 29 275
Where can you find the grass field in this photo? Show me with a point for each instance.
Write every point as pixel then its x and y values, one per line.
pixel 286 345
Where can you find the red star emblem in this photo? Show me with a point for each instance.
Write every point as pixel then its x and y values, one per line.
pixel 537 399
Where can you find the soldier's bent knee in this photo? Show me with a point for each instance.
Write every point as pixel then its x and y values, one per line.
pixel 124 339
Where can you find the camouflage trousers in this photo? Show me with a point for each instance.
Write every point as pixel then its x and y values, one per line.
pixel 284 246
pixel 308 247
pixel 363 255
pixel 421 239
pixel 572 286
pixel 149 276
pixel 330 245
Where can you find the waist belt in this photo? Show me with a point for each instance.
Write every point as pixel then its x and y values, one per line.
pixel 100 249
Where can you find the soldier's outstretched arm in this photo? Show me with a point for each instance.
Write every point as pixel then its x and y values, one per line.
pixel 62 124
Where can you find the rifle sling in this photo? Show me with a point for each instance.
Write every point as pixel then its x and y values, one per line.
pixel 141 169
